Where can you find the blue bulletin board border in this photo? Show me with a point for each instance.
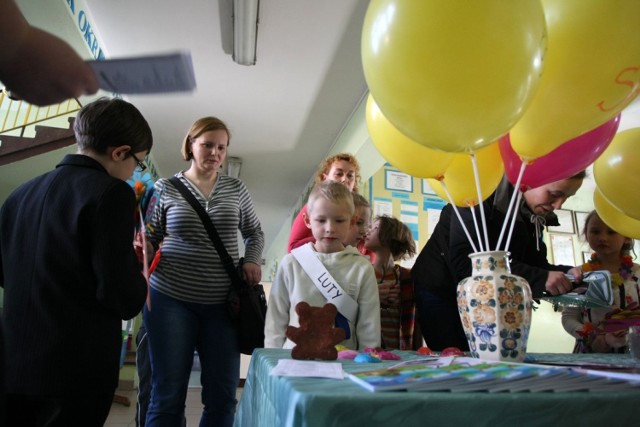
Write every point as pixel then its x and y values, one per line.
pixel 433 201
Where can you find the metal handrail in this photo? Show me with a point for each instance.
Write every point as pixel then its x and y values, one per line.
pixel 18 114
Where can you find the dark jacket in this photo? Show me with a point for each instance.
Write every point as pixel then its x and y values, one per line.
pixel 444 260
pixel 70 276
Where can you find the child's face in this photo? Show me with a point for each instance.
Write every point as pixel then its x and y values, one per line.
pixel 603 240
pixel 372 239
pixel 329 223
pixel 362 222
pixel 123 162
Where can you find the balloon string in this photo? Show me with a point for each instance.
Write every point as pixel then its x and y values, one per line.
pixel 455 209
pixel 476 175
pixel 513 198
pixel 475 222
pixel 515 214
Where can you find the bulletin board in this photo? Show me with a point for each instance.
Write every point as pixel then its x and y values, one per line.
pixel 411 200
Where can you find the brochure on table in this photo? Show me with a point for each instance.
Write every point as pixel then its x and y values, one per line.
pixel 463 374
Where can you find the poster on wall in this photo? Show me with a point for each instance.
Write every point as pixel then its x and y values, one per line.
pixel 409 216
pixel 565 218
pixel 580 220
pixel 382 207
pixel 398 181
pixel 433 216
pixel 562 249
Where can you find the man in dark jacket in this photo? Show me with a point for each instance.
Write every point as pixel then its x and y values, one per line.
pixel 444 260
pixel 70 273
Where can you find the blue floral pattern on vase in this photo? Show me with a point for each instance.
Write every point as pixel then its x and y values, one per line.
pixel 495 308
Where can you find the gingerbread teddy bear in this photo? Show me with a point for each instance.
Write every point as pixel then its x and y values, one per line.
pixel 317 336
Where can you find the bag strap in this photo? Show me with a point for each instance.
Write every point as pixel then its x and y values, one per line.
pixel 325 283
pixel 227 261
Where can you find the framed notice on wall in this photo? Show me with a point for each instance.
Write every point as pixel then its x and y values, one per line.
pixel 580 220
pixel 565 218
pixel 562 249
pixel 398 181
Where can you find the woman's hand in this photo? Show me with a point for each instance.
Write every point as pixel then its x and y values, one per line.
pixel 616 339
pixel 138 243
pixel 599 345
pixel 603 343
pixel 577 273
pixel 557 283
pixel 251 273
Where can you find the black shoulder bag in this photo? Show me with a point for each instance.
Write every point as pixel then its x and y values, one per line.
pixel 247 303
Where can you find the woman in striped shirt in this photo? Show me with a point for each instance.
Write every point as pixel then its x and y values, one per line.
pixel 189 286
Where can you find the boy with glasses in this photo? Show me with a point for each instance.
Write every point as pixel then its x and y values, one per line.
pixel 70 273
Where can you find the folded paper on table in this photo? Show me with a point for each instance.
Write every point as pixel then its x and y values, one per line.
pixel 305 368
pixel 146 74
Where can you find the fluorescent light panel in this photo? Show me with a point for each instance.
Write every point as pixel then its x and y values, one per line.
pixel 245 31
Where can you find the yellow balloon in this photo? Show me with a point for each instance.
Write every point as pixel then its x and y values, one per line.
pixel 617 174
pixel 453 75
pixel 591 72
pixel 403 153
pixel 460 181
pixel 618 221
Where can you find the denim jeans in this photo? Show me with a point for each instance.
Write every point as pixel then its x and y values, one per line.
pixel 175 329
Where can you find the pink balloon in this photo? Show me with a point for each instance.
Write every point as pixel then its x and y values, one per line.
pixel 563 162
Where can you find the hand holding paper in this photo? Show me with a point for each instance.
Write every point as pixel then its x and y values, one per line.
pixel 146 74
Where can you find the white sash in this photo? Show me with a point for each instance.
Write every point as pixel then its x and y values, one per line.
pixel 325 282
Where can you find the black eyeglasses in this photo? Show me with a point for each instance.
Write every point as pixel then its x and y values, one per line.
pixel 141 165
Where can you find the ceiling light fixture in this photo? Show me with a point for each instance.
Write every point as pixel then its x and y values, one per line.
pixel 245 31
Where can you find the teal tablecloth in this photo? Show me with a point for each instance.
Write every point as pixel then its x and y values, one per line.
pixel 274 401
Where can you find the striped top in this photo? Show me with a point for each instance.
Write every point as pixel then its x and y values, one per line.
pixel 190 268
pixel 398 321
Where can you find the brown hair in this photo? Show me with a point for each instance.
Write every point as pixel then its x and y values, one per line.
pixel 332 191
pixel 205 124
pixel 580 175
pixel 395 235
pixel 359 201
pixel 326 164
pixel 111 122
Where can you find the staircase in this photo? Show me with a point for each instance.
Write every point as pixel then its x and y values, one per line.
pixel 18 118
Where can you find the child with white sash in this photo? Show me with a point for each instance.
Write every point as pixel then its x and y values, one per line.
pixel 326 271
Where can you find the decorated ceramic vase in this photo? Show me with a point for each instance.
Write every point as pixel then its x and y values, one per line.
pixel 495 308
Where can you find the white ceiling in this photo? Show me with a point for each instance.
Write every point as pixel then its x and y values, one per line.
pixel 285 113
